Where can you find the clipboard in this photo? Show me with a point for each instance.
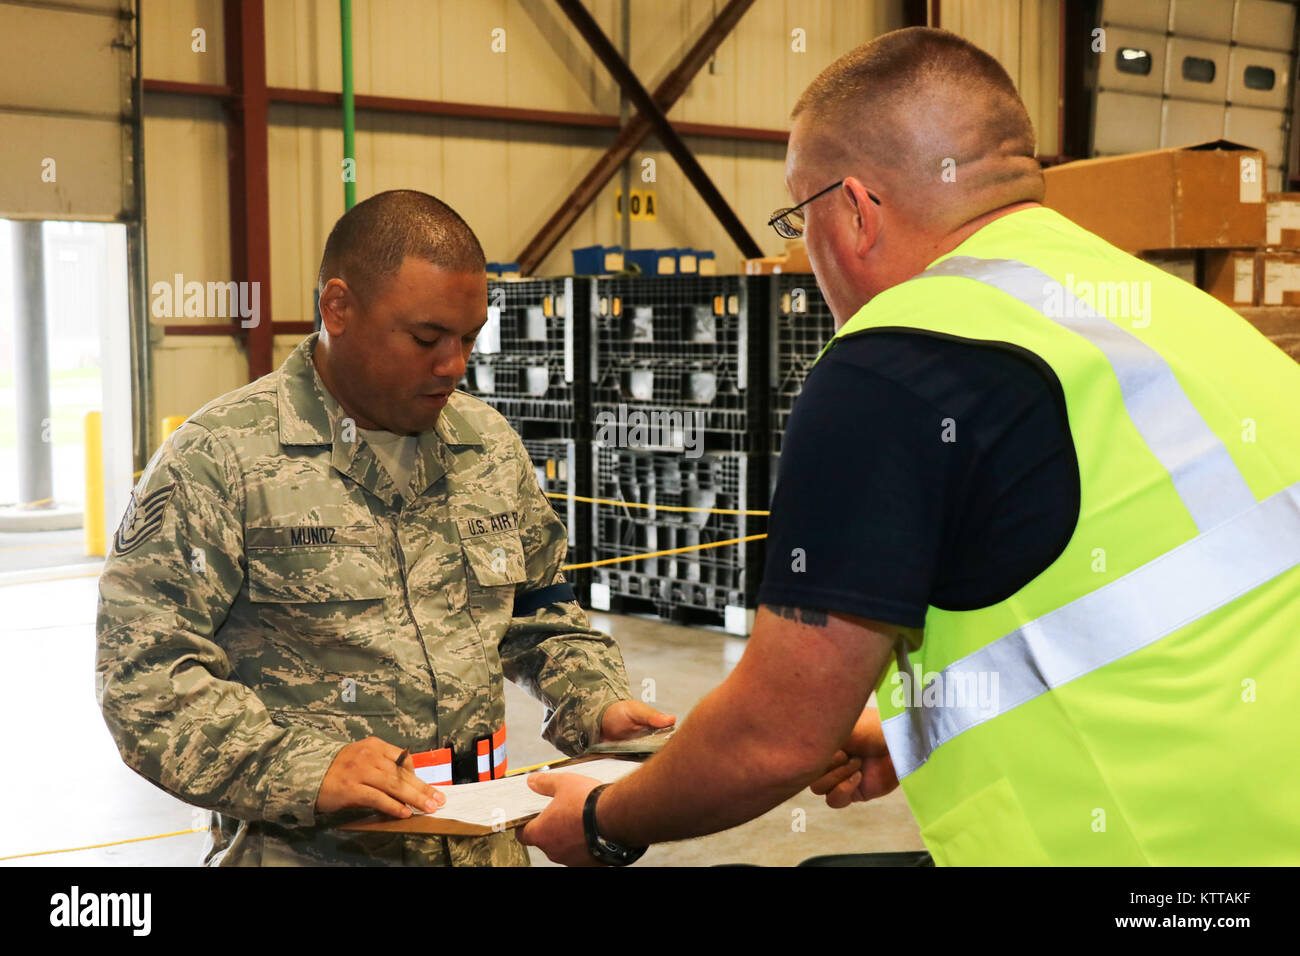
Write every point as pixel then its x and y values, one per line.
pixel 436 824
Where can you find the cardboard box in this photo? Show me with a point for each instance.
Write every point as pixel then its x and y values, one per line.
pixel 796 257
pixel 766 266
pixel 1280 278
pixel 1282 220
pixel 1233 276
pixel 1205 196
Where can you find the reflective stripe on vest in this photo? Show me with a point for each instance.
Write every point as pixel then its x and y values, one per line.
pixel 1164 595
pixel 434 766
pixel 1242 543
pixel 492 756
pixel 1204 474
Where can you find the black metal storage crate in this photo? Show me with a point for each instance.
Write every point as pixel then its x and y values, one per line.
pixel 531 364
pixel 695 585
pixel 563 467
pixel 690 345
pixel 802 324
pixel 531 359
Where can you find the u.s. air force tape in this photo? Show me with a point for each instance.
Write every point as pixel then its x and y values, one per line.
pixel 530 601
pixel 142 519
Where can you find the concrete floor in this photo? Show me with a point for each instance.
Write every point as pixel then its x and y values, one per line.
pixel 74 790
pixel 27 550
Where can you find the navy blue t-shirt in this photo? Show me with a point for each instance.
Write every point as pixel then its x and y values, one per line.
pixel 920 469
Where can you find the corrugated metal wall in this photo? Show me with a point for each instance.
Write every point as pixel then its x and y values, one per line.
pixel 505 178
pixel 1024 36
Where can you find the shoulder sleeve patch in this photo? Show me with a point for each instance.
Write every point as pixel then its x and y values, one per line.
pixel 142 519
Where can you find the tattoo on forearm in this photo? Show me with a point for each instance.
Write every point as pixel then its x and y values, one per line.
pixel 801 614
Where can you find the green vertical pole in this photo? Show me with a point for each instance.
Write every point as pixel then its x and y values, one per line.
pixel 349 110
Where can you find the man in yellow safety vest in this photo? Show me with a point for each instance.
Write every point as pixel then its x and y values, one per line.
pixel 1042 496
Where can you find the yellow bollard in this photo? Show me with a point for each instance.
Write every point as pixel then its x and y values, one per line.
pixel 170 424
pixel 94 484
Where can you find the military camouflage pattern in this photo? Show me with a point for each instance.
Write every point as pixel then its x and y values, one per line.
pixel 271 599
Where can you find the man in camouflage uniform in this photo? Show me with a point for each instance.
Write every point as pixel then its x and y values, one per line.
pixel 285 608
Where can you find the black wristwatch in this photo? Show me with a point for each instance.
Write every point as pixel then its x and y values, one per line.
pixel 602 848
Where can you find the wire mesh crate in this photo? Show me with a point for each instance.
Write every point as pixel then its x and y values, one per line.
pixel 693 584
pixel 531 357
pixel 683 344
pixel 802 324
pixel 563 468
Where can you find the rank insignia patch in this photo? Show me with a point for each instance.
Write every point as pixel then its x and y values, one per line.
pixel 141 520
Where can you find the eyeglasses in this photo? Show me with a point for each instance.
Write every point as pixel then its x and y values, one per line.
pixel 789 222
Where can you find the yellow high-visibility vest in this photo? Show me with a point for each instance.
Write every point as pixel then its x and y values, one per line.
pixel 1137 702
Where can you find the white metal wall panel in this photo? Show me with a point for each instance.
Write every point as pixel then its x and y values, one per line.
pixel 1151 16
pixel 1183 53
pixel 1187 122
pixel 1121 41
pixel 1243 58
pixel 1264 23
pixel 1234 36
pixel 1262 129
pixel 1208 19
pixel 64 90
pixel 1133 124
pixel 87 157
pixel 40 48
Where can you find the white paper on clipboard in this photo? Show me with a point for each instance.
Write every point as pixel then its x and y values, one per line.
pixel 510 799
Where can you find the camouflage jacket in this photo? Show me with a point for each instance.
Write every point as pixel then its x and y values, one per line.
pixel 269 598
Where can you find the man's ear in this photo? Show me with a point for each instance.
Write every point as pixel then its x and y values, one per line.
pixel 866 219
pixel 337 306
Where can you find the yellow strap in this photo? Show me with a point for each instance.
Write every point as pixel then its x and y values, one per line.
pixel 96 846
pixel 655 554
pixel 637 504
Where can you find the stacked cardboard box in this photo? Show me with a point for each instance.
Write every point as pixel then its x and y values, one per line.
pixel 1209 196
pixel 1268 275
pixel 1279 278
pixel 1200 213
pixel 1195 209
pixel 1278 265
pixel 1231 276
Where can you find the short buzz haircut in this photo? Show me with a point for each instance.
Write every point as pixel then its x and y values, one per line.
pixel 371 240
pixel 867 105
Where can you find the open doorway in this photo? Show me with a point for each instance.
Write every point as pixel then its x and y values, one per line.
pixel 56 368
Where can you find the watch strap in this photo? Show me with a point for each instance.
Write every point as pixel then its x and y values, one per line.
pixel 602 848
